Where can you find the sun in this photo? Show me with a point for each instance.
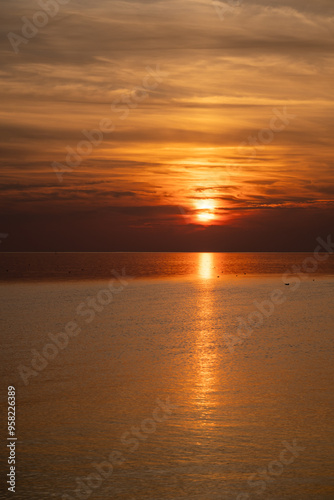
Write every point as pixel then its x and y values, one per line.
pixel 205 211
pixel 205 216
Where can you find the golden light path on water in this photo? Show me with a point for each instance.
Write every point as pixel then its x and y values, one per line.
pixel 206 354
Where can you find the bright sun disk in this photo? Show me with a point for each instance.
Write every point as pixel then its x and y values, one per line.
pixel 205 210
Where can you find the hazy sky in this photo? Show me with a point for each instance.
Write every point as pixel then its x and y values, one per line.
pixel 199 158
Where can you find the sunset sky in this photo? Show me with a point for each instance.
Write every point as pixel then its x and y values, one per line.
pixel 179 171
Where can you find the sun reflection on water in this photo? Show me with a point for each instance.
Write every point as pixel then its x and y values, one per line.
pixel 206 353
pixel 205 265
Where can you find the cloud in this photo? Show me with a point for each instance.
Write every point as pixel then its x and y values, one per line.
pixel 180 145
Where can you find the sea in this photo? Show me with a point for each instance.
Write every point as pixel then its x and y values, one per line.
pixel 167 376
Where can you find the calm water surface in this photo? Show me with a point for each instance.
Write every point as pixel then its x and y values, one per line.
pixel 83 266
pixel 236 400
